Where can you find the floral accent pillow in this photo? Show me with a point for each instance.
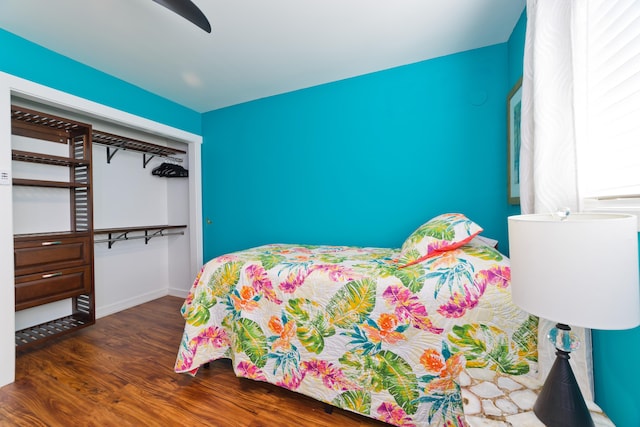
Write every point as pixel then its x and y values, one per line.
pixel 442 233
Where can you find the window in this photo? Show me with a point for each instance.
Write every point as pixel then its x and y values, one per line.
pixel 607 87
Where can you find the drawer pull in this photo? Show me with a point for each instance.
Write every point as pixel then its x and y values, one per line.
pixel 50 275
pixel 51 243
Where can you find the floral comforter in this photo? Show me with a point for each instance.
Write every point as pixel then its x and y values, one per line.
pixel 347 326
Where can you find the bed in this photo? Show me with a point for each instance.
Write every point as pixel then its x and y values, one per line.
pixel 381 332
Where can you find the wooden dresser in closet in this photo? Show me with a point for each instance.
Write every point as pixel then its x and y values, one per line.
pixel 58 264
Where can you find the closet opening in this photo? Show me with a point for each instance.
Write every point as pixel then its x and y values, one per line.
pixel 143 204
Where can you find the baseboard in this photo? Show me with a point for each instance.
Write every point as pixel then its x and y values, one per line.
pixel 174 292
pixel 105 310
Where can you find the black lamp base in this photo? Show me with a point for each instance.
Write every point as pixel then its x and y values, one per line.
pixel 560 402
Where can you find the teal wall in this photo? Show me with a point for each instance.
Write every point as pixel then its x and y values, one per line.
pixel 617 374
pixel 362 161
pixel 515 49
pixel 30 61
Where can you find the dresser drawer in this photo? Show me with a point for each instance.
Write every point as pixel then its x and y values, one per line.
pixel 52 252
pixel 54 285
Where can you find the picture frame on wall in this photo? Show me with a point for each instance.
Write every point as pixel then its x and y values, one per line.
pixel 514 142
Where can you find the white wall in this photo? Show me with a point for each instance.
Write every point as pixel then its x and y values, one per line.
pixel 131 272
pixel 126 194
pixel 178 197
pixel 7 296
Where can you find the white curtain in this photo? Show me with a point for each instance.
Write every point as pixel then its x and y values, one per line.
pixel 550 107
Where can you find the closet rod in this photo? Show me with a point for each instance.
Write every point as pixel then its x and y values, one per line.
pixel 113 149
pixel 110 241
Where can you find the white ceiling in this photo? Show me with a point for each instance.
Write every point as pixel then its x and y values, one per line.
pixel 257 48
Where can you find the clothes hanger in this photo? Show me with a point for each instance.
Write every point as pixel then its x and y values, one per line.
pixel 159 170
pixel 170 170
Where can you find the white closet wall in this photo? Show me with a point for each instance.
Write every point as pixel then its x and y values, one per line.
pixel 126 194
pixel 37 209
pixel 177 200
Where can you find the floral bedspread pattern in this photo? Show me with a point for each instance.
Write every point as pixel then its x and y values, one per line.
pixel 347 326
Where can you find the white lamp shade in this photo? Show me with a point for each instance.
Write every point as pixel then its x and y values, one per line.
pixel 581 271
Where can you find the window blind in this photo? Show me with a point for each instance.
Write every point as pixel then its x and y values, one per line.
pixel 608 91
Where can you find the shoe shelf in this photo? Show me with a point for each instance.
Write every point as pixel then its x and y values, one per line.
pixel 46 159
pixel 51 184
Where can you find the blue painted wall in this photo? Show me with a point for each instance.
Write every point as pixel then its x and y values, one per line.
pixel 515 48
pixel 617 374
pixel 30 61
pixel 362 161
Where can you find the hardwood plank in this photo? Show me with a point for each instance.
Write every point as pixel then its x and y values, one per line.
pixel 119 372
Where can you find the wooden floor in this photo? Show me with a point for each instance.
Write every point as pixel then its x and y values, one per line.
pixel 119 372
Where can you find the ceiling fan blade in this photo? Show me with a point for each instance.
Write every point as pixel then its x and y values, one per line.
pixel 187 10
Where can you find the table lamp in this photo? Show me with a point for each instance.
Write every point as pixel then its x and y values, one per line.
pixel 574 269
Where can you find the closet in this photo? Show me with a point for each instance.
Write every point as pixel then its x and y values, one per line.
pixel 95 231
